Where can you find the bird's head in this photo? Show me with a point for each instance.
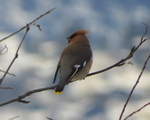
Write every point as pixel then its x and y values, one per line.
pixel 79 32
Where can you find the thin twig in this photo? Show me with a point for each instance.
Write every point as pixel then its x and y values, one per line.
pixel 6 50
pixel 130 55
pixel 16 54
pixel 6 88
pixel 146 28
pixel 28 24
pixel 19 98
pixel 125 105
pixel 8 73
pixel 49 118
pixel 137 111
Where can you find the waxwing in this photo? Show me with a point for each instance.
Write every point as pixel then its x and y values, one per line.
pixel 75 61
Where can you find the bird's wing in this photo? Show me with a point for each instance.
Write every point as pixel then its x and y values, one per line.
pixel 56 72
pixel 79 60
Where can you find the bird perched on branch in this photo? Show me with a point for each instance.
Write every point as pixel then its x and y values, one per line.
pixel 75 61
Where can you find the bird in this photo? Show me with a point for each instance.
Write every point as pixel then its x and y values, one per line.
pixel 75 60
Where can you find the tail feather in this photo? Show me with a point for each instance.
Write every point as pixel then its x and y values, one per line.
pixel 57 92
pixel 59 89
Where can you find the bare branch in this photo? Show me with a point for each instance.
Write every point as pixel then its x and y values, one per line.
pixel 8 73
pixel 19 98
pixel 6 88
pixel 49 118
pixel 28 24
pixel 130 55
pixel 38 26
pixel 120 63
pixel 6 50
pixel 146 27
pixel 123 110
pixel 16 54
pixel 137 111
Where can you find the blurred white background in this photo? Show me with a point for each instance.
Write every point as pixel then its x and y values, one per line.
pixel 116 26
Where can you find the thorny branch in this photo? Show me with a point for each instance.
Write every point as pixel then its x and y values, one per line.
pixel 120 63
pixel 125 105
pixel 16 54
pixel 28 24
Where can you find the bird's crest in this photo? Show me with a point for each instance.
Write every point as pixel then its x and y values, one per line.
pixel 79 32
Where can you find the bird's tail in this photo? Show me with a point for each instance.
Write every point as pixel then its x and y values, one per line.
pixel 59 89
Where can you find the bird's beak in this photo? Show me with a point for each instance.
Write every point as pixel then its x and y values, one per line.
pixel 68 39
